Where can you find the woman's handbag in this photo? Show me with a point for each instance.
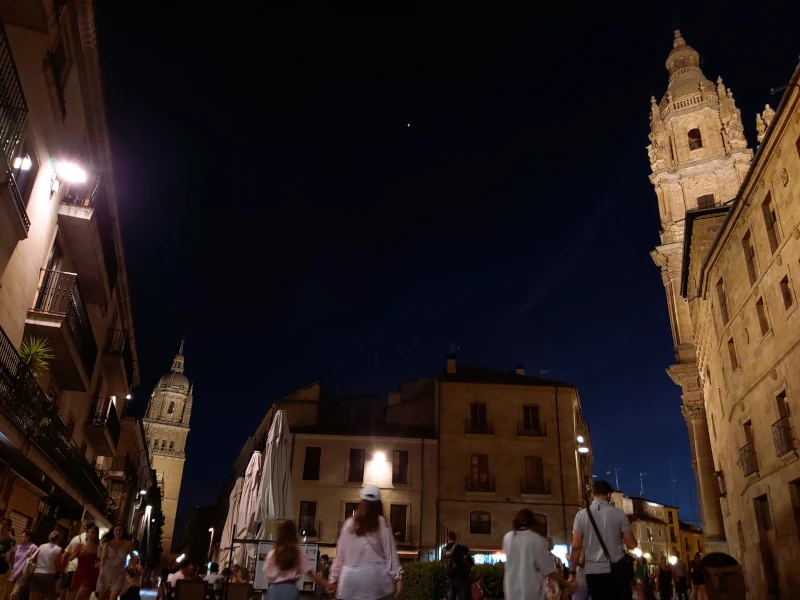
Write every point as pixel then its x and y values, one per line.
pixel 30 564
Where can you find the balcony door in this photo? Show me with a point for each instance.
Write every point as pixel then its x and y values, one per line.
pixel 534 473
pixel 477 414
pixel 530 418
pixel 54 291
pixel 480 470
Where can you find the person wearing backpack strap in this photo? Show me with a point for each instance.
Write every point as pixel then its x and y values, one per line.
pixel 457 567
pixel 599 533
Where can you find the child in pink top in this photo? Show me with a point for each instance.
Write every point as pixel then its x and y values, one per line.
pixel 286 564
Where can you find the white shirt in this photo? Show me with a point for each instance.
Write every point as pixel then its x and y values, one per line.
pixel 612 523
pixel 212 577
pixel 525 549
pixel 47 558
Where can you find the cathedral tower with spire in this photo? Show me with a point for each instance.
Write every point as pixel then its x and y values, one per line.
pixel 166 425
pixel 698 157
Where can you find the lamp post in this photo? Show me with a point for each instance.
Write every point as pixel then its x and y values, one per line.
pixel 210 541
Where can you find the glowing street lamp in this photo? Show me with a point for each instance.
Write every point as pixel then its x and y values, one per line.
pixel 70 172
pixel 583 449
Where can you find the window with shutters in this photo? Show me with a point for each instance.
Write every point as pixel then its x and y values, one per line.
pixel 705 201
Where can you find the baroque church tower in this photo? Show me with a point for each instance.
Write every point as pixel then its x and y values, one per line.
pixel 699 157
pixel 166 426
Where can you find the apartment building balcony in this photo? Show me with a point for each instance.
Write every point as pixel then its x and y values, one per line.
pixel 309 527
pixel 480 483
pixel 535 486
pixel 121 468
pixel 13 114
pixel 747 458
pixel 26 408
pixel 60 316
pixel 782 436
pixel 103 428
pixel 118 360
pixel 473 427
pixel 87 229
pixel 531 429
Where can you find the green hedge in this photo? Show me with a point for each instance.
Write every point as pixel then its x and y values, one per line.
pixel 425 581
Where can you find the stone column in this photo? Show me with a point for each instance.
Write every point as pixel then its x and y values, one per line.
pixel 707 488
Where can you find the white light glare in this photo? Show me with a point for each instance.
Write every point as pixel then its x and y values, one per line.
pixel 180 558
pixel 22 163
pixel 583 450
pixel 637 551
pixel 143 492
pixel 128 397
pixel 673 560
pixel 70 172
pixel 648 556
pixel 655 504
pixel 580 439
pixel 210 530
pixel 379 457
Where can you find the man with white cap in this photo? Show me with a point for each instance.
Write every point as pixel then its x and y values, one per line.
pixel 366 566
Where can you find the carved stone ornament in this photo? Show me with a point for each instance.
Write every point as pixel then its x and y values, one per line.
pixel 778 260
pixel 693 411
pixel 785 177
pixel 761 183
pixel 796 234
pixel 746 336
pixel 777 152
pixel 774 375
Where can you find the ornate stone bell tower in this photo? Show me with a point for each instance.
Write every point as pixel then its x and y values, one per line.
pixel 166 426
pixel 699 157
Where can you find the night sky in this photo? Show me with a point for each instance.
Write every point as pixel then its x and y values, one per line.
pixel 278 209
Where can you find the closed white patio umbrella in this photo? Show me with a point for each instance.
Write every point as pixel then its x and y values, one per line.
pixel 276 481
pixel 248 513
pixel 230 523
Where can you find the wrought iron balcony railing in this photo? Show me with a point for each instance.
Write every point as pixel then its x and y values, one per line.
pixel 13 107
pixel 16 198
pixel 782 436
pixel 747 458
pixel 480 483
pixel 119 344
pixel 23 402
pixel 478 427
pixel 104 414
pixel 534 485
pixel 721 487
pixel 60 294
pixel 532 429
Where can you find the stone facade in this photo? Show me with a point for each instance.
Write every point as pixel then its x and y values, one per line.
pixel 62 278
pixel 166 425
pixel 739 265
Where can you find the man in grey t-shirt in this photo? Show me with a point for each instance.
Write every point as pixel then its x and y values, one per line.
pixel 615 529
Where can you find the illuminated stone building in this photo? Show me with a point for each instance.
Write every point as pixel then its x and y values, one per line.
pixel 729 261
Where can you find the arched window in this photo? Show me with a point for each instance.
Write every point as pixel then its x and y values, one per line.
pixel 172 446
pixel 155 443
pixel 171 409
pixel 540 524
pixel 480 521
pixel 163 444
pixel 695 139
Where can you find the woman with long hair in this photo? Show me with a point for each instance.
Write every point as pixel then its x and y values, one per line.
pixel 286 564
pixel 366 565
pixel 529 562
pixel 665 578
pixel 111 580
pixel 84 581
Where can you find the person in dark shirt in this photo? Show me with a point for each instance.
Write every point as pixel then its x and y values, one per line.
pixel 457 567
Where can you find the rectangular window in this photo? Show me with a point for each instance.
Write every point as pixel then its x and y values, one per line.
pixel 723 301
pixel 649 534
pixel 660 533
pixel 763 515
pixel 771 223
pixel 750 257
pixel 786 293
pixel 761 311
pixel 355 473
pixel 477 413
pixel 308 510
pixel 480 522
pixel 783 405
pixel 530 418
pixel 398 514
pixel 706 201
pixel 671 520
pixel 307 522
pixel 350 509
pixel 312 463
pixel 732 354
pixel 400 466
pixel 480 468
pixel 172 446
pixel 534 474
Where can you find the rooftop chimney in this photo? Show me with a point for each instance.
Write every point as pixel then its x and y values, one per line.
pixel 520 369
pixel 451 364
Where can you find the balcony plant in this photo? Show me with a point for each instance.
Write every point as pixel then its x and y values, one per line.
pixel 36 354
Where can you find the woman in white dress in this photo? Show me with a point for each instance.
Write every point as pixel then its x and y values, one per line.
pixel 112 579
pixel 529 562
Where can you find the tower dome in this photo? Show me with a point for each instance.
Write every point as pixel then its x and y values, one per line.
pixel 685 76
pixel 175 380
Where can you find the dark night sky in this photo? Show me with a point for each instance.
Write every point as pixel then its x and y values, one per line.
pixel 277 208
